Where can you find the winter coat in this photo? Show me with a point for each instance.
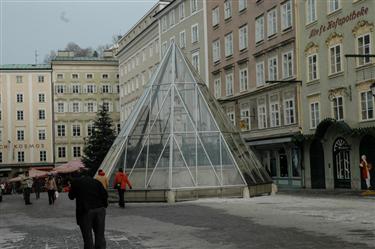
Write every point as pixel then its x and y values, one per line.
pixel 51 184
pixel 103 179
pixel 122 178
pixel 26 182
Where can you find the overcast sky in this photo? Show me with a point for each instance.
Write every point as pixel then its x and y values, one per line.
pixel 45 25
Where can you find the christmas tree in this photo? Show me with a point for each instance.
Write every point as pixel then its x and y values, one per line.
pixel 99 142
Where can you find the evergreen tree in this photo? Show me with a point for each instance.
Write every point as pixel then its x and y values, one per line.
pixel 100 141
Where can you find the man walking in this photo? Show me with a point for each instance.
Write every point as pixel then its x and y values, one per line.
pixel 121 180
pixel 37 187
pixel 91 202
pixel 27 184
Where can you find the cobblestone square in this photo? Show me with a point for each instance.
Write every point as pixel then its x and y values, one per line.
pixel 288 220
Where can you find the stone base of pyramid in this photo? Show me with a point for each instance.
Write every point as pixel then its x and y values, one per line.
pixel 172 196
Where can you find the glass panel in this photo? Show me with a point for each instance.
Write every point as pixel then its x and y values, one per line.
pixel 231 174
pixel 205 121
pixel 211 142
pixel 205 173
pixel 135 144
pixel 183 74
pixel 216 110
pixel 182 121
pixel 165 75
pixel 162 121
pixel 181 174
pixel 137 176
pixel 188 95
pixel 160 174
pixel 141 125
pixel 156 146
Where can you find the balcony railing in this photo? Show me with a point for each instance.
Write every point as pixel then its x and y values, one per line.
pixel 365 73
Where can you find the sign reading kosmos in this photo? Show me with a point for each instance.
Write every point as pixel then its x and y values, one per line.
pixel 21 146
pixel 339 21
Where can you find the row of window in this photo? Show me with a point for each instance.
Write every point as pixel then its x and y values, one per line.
pixel 228 43
pixel 76 151
pixel 242 5
pixel 134 83
pixel 338 111
pixel 20 115
pixel 89 106
pixel 87 88
pixel 272 26
pixel 19 79
pixel 41 133
pixel 61 130
pixel 21 156
pixel 182 38
pixel 20 97
pixel 243 75
pixel 273 109
pixel 311 8
pixel 88 76
pixel 135 60
pixel 175 15
pixel 336 57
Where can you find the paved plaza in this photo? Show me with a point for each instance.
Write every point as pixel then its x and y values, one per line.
pixel 286 220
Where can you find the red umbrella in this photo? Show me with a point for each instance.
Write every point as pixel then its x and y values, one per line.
pixel 69 167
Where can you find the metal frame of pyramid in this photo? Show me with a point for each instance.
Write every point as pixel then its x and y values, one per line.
pixel 178 136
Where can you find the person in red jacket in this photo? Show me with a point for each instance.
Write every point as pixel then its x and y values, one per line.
pixel 121 180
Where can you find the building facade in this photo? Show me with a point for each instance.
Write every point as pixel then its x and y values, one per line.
pixel 81 86
pixel 26 128
pixel 253 69
pixel 338 108
pixel 184 22
pixel 138 55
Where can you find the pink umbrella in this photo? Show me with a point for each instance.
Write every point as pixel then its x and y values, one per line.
pixel 69 167
pixel 34 173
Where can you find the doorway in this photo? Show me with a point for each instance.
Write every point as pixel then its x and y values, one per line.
pixel 367 147
pixel 317 165
pixel 341 162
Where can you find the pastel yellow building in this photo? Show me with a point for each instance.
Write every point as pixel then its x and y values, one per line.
pixel 81 86
pixel 25 117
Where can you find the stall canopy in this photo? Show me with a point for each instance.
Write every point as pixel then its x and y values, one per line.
pixel 69 167
pixel 178 136
pixel 34 173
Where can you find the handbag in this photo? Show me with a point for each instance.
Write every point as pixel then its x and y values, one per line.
pixel 117 186
pixel 56 194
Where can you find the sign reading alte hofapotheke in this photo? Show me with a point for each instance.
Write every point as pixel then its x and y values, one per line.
pixel 339 21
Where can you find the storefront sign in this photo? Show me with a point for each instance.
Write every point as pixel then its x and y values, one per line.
pixel 21 146
pixel 339 21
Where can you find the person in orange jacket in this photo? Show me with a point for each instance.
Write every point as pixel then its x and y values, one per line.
pixel 121 180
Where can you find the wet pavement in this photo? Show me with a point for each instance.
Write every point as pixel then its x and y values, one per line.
pixel 293 221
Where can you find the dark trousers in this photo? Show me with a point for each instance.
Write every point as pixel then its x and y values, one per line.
pixel 51 197
pixel 37 193
pixel 121 200
pixel 93 220
pixel 26 195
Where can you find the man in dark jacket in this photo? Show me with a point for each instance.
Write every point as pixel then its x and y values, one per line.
pixel 91 202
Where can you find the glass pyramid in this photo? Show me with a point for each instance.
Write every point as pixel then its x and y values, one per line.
pixel 178 136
